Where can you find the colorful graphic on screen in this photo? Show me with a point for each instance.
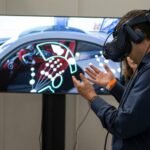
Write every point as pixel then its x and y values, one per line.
pixel 41 57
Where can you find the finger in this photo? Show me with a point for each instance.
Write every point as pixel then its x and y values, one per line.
pixel 75 81
pixel 90 73
pixel 95 69
pixel 83 78
pixel 107 68
pixel 91 80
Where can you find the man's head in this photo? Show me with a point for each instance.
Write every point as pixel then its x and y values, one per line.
pixel 133 29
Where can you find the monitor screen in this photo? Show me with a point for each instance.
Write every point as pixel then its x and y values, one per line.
pixel 39 54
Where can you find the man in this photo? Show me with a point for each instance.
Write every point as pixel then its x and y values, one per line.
pixel 130 122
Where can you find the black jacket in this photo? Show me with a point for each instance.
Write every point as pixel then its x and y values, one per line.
pixel 130 122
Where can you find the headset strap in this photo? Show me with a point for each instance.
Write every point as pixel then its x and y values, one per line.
pixel 139 19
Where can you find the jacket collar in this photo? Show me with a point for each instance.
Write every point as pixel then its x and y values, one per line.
pixel 145 60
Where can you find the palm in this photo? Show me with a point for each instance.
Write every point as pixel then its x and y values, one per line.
pixel 98 77
pixel 102 79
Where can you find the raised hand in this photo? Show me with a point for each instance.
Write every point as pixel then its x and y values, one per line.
pixel 84 87
pixel 98 77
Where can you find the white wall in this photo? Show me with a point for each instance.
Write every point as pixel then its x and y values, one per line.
pixel 2 6
pixel 72 7
pixel 20 121
pixel 110 8
pixel 20 115
pixel 44 7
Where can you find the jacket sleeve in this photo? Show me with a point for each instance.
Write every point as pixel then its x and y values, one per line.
pixel 117 91
pixel 131 118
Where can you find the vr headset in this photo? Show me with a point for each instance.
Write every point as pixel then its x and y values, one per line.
pixel 120 46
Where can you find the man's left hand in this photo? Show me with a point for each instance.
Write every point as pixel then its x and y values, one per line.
pixel 84 87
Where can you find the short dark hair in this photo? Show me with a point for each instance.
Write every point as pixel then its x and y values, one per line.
pixel 144 27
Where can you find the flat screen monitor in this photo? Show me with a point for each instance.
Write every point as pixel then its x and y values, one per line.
pixel 39 54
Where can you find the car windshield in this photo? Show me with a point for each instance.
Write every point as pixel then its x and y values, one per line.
pixel 7 43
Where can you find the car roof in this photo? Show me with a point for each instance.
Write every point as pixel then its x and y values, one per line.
pixel 50 28
pixel 9 45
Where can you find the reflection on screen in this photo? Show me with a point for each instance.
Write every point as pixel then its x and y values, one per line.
pixel 42 58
